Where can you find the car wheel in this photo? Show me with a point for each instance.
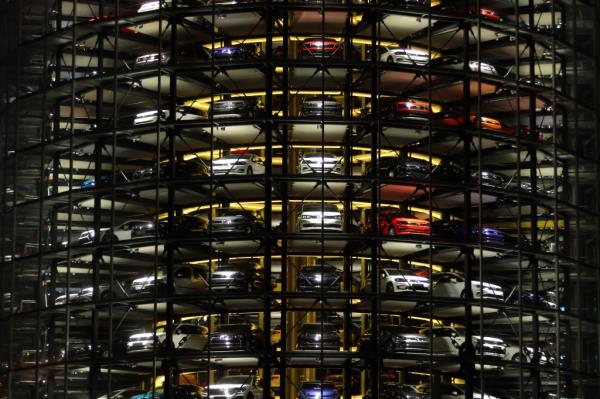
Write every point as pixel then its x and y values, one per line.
pixel 389 288
pixel 392 231
pixel 249 171
pixel 390 59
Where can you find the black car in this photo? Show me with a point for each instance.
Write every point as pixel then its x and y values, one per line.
pixel 398 391
pixel 242 276
pixel 183 224
pixel 321 106
pixel 228 337
pixel 182 169
pixel 319 278
pixel 236 221
pixel 318 336
pixel 528 298
pixel 244 51
pixel 401 167
pixel 244 107
pixel 395 339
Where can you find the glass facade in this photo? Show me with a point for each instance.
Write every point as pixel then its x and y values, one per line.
pixel 306 199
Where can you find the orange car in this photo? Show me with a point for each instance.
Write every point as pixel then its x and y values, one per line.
pixel 393 224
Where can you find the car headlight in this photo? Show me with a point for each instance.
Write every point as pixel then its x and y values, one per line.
pixel 304 217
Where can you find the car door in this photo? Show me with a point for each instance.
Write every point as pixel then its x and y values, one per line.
pixel 124 231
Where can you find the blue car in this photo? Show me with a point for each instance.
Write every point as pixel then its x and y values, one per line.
pixel 90 182
pixel 455 230
pixel 318 390
pixel 244 51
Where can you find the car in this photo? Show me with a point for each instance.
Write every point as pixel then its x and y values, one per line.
pixel 120 232
pixel 456 62
pixel 244 51
pixel 182 224
pixel 450 284
pixel 235 387
pixel 187 53
pixel 183 113
pixel 318 47
pixel 458 7
pixel 399 280
pixel 450 340
pixel 231 220
pixel 190 168
pixel 239 107
pixel 321 106
pixel 395 223
pixel 90 182
pixel 319 278
pixel 229 337
pixel 319 336
pixel 318 390
pixel 86 294
pixel 398 391
pixel 319 217
pixel 239 276
pixel 525 353
pixel 407 109
pixel 528 298
pixel 154 5
pixel 320 162
pixel 395 339
pixel 452 391
pixel 187 279
pixel 401 55
pixel 400 166
pixel 238 164
pixel 457 120
pixel 124 393
pixel 181 391
pixel 454 230
pixel 185 336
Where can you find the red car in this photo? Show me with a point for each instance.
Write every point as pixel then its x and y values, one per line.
pixel 395 224
pixel 409 109
pixel 458 8
pixel 485 122
pixel 320 48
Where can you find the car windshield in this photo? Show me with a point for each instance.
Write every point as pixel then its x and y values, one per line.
pixel 317 385
pixel 319 155
pixel 235 379
pixel 318 327
pixel 319 208
pixel 393 272
pixel 233 328
pixel 319 269
pixel 233 212
pixel 237 156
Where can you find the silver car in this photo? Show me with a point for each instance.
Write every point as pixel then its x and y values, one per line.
pixel 319 217
pixel 152 59
pixel 183 113
pixel 320 162
pixel 186 336
pixel 321 106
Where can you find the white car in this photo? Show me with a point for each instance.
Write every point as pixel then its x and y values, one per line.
pixel 185 336
pixel 186 279
pixel 320 162
pixel 449 340
pixel 524 353
pixel 453 285
pixel 319 217
pixel 154 5
pixel 397 280
pixel 182 114
pixel 119 233
pixel 152 59
pixel 235 387
pixel 238 164
pixel 403 56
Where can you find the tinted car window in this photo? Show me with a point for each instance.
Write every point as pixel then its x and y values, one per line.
pixel 318 208
pixel 233 328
